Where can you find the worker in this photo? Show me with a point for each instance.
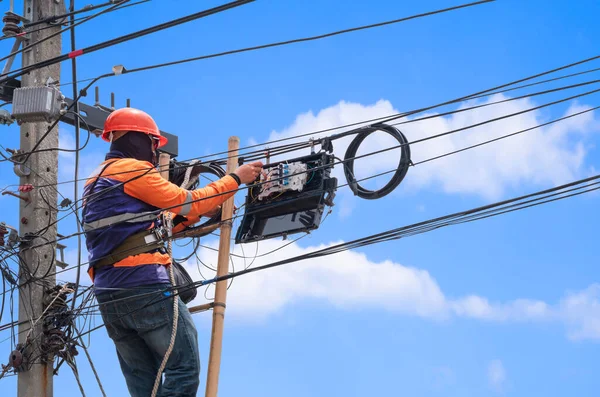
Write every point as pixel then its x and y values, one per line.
pixel 125 227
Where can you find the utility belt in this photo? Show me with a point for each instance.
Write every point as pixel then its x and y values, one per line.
pixel 139 243
pixel 148 241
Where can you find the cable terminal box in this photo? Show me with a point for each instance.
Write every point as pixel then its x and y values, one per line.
pixel 290 197
pixel 283 177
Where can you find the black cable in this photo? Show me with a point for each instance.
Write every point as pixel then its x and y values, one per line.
pixel 397 146
pixel 305 39
pixel 71 13
pixel 122 39
pixel 50 25
pixel 507 136
pixel 395 234
pixel 76 171
pixel 486 142
pixel 36 43
pixel 383 150
pixel 391 233
pixel 403 162
pixel 249 156
pixel 382 117
pixel 3 294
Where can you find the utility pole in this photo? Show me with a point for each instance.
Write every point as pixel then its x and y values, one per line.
pixel 216 339
pixel 36 215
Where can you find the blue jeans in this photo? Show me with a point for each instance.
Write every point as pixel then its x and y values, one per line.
pixel 142 335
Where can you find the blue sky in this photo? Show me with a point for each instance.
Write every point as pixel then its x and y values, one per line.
pixel 506 306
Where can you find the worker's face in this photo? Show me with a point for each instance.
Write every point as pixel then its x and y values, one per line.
pixel 154 142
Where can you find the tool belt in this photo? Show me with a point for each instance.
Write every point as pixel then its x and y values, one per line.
pixel 139 243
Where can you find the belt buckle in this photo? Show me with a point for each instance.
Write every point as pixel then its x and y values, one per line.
pixel 160 232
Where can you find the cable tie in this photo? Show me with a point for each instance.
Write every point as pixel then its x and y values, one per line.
pixel 76 53
pixel 26 188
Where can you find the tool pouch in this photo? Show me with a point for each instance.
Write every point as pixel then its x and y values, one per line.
pixel 184 283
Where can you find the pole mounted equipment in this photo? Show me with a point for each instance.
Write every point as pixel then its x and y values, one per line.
pixel 38 104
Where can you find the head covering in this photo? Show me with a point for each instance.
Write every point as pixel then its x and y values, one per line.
pixel 136 145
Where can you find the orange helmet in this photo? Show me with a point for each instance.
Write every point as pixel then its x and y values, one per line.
pixel 130 119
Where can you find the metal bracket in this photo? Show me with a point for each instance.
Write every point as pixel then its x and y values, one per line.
pixel 93 117
pixel 61 249
pixel 17 16
pixel 9 61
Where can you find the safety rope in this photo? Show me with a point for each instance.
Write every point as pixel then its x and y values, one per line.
pixel 187 181
pixel 175 309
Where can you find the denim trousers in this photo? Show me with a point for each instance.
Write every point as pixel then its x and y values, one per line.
pixel 140 321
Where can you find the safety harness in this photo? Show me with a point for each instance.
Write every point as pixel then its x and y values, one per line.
pixel 138 243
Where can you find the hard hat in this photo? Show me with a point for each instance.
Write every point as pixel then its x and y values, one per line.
pixel 130 119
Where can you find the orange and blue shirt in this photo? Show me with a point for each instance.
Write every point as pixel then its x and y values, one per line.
pixel 124 196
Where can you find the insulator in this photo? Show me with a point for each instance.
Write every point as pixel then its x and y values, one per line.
pixel 11 25
pixel 16 360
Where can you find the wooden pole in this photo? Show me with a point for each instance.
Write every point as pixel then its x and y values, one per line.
pixel 216 340
pixel 163 165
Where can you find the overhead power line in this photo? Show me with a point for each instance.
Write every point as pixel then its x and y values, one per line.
pixel 355 157
pixel 398 146
pixel 306 39
pixel 288 42
pixel 127 37
pixel 36 43
pixel 275 151
pixel 88 8
pixel 491 91
pixel 568 190
pixel 278 150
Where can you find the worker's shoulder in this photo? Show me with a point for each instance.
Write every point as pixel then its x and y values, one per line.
pixel 123 169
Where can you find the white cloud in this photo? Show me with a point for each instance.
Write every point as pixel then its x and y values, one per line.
pixel 581 312
pixel 350 281
pixel 546 156
pixel 496 375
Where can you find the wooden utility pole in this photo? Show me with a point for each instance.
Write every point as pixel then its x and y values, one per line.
pixel 216 339
pixel 36 215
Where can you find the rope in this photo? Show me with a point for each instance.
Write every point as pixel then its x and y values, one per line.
pixel 186 182
pixel 188 172
pixel 175 311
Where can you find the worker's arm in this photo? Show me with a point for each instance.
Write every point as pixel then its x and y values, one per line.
pixel 151 188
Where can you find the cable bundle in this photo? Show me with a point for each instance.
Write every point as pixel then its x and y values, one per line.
pixel 400 173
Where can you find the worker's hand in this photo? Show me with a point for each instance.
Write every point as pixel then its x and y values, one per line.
pixel 249 172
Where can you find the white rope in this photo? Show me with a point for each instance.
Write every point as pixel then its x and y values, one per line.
pixel 175 311
pixel 187 182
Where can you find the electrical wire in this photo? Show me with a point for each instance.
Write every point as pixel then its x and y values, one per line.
pixel 489 141
pixel 121 39
pixel 296 146
pixel 483 212
pixel 53 25
pixel 348 159
pixel 76 168
pixel 72 13
pixel 305 39
pixel 38 42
